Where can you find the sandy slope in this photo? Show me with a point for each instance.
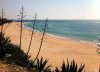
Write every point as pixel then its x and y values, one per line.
pixel 4 67
pixel 57 49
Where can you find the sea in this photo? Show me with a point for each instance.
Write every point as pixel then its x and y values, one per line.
pixel 83 30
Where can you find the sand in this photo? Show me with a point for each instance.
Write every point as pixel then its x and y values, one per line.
pixel 56 49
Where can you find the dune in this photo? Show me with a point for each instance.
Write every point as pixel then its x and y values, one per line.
pixel 56 49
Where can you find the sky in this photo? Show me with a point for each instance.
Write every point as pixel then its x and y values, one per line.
pixel 52 9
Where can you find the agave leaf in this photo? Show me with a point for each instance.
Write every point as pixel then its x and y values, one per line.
pixel 63 67
pixel 38 63
pixel 44 64
pixel 81 68
pixel 48 67
pixel 57 70
pixel 41 60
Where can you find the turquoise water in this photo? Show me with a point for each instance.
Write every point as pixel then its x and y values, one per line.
pixel 87 30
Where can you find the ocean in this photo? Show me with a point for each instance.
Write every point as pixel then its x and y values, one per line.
pixel 83 30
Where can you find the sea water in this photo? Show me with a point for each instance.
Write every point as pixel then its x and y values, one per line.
pixel 84 30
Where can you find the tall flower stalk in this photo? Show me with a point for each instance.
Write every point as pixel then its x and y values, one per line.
pixel 21 18
pixel 44 32
pixel 32 33
pixel 2 17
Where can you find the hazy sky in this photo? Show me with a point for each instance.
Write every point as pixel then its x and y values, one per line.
pixel 53 9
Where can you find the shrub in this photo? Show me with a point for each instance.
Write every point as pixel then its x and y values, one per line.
pixel 12 53
pixel 4 42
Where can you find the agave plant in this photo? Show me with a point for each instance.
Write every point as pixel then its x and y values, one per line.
pixel 4 42
pixel 70 67
pixel 41 65
pixel 12 53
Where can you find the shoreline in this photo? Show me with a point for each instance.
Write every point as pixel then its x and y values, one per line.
pixel 62 37
pixel 56 49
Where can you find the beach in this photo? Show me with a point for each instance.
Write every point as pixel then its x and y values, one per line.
pixel 56 49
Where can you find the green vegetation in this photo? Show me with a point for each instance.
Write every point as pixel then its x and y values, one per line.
pixel 4 43
pixel 4 21
pixel 73 67
pixel 41 65
pixel 11 53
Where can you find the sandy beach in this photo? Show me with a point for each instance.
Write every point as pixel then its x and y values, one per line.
pixel 56 49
